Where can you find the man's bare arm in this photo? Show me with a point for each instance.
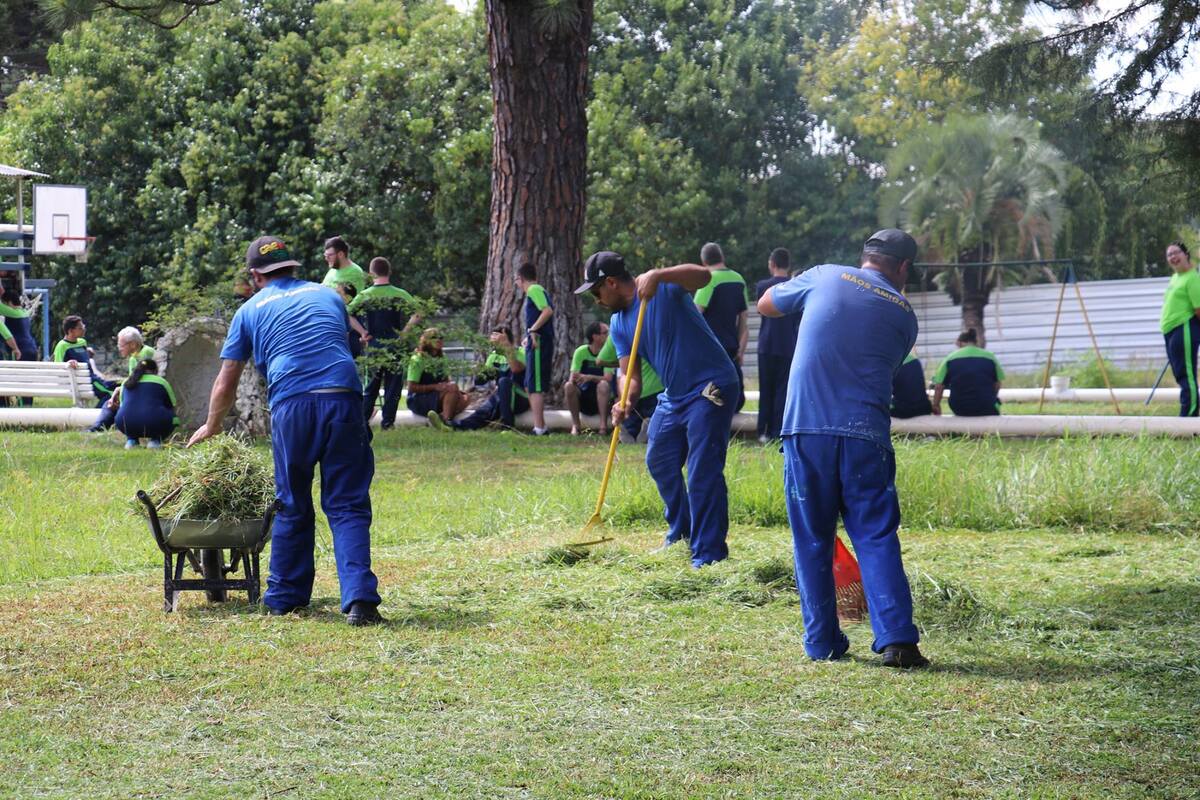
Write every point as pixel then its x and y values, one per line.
pixel 224 393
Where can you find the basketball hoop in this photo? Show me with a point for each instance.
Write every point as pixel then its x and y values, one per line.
pixel 81 257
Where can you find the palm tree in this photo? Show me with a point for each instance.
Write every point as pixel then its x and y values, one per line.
pixel 976 190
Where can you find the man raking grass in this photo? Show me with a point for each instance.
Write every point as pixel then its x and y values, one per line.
pixel 691 425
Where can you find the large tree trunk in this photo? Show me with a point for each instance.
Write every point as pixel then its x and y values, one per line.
pixel 976 290
pixel 538 62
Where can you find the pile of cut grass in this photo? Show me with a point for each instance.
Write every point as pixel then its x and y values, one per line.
pixel 223 478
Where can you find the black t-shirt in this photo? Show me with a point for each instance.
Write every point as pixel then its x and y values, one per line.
pixel 776 336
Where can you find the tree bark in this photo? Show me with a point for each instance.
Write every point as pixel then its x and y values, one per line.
pixel 539 161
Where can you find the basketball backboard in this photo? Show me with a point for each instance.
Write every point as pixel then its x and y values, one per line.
pixel 59 220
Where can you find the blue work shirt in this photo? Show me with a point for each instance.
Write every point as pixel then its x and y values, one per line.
pixel 776 337
pixel 854 334
pixel 676 341
pixel 296 331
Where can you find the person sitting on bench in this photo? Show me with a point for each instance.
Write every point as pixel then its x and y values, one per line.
pixel 909 398
pixel 73 349
pixel 147 407
pixel 973 376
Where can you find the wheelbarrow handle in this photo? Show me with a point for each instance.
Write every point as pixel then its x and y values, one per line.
pixel 155 527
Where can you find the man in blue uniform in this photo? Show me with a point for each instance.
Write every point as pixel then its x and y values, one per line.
pixel 296 332
pixel 855 331
pixel 776 343
pixel 695 411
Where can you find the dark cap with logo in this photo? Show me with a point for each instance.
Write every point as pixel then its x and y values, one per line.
pixel 267 254
pixel 605 264
pixel 892 242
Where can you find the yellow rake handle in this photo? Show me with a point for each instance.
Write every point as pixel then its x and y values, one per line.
pixel 612 447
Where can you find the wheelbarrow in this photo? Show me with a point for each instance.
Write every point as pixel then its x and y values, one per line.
pixel 214 549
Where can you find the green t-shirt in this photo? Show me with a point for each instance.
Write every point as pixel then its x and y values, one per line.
pixel 16 313
pixel 141 355
pixel 65 351
pixel 497 362
pixel 352 274
pixel 421 365
pixel 583 359
pixel 377 291
pixel 971 356
pixel 1181 300
pixel 651 383
pixel 5 333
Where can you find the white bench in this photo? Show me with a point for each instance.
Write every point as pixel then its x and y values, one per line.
pixel 47 379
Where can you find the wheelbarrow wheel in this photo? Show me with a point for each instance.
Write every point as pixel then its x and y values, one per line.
pixel 212 567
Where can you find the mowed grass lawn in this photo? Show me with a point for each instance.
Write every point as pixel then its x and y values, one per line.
pixel 1057 587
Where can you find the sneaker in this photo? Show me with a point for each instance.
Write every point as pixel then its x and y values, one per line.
pixel 363 613
pixel 574 430
pixel 540 431
pixel 904 656
pixel 439 424
pixel 154 444
pixel 131 443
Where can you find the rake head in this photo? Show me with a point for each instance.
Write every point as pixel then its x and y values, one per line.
pixel 586 529
pixel 847 585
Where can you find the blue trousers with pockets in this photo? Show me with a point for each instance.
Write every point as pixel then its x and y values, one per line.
pixel 326 429
pixel 695 432
pixel 830 476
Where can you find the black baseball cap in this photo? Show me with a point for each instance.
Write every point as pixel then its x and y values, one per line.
pixel 605 264
pixel 267 254
pixel 892 242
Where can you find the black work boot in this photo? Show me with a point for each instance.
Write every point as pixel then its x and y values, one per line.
pixel 904 656
pixel 363 613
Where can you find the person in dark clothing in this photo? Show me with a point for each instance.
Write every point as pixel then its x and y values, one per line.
pixel 147 407
pixel 973 376
pixel 909 398
pixel 723 303
pixel 776 344
pixel 386 308
pixel 16 329
pixel 354 338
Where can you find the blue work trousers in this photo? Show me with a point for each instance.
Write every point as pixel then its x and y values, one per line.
pixel 695 432
pixel 326 429
pixel 827 476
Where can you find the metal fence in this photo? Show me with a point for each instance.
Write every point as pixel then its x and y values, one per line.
pixel 1019 321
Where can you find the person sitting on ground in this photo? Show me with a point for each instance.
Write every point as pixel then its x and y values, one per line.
pixel 73 349
pixel 909 398
pixel 973 377
pixel 341 268
pixel 507 399
pixel 636 424
pixel 722 301
pixel 429 385
pixel 147 407
pixel 589 389
pixel 384 307
pixel 539 343
pixel 131 345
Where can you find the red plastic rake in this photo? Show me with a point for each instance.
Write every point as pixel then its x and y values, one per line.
pixel 847 584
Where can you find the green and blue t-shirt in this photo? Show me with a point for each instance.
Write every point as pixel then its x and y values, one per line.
pixel 19 328
pixel 537 299
pixel 141 355
pixel 72 351
pixel 723 300
pixel 496 366
pixel 386 309
pixel 1181 300
pixel 424 369
pixel 971 374
pixel 651 383
pixel 584 361
pixel 855 330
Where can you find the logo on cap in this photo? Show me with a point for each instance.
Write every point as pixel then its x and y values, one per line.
pixel 270 247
